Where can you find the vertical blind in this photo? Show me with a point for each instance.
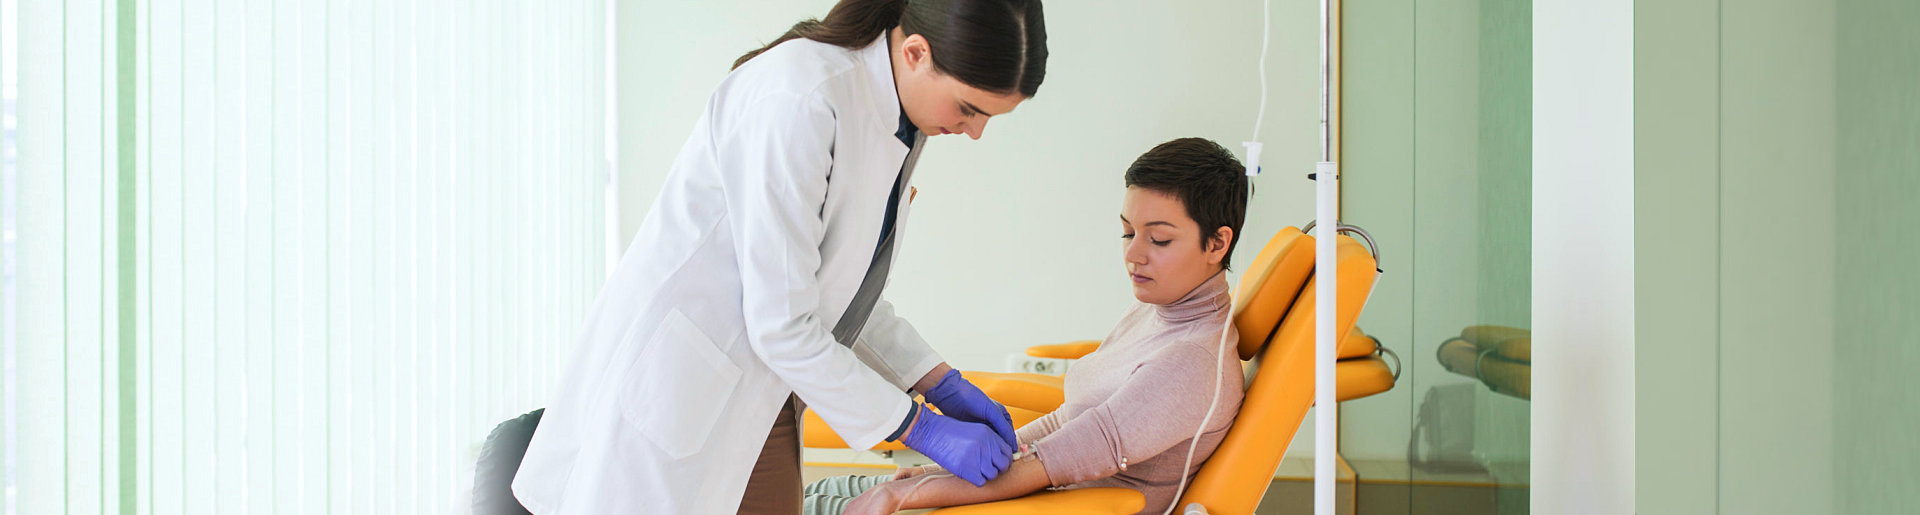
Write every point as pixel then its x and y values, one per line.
pixel 296 256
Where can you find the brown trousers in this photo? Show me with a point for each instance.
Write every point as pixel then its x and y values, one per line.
pixel 774 487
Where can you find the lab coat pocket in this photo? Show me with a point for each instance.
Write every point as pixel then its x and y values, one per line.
pixel 677 387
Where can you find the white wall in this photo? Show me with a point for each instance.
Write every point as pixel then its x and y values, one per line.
pixel 1583 282
pixel 1013 238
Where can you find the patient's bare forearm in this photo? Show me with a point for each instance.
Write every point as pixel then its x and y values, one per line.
pixel 1024 477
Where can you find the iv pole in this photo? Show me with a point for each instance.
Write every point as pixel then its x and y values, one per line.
pixel 1326 267
pixel 1327 212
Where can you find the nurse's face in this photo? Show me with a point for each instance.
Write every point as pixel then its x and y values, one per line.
pixel 1161 245
pixel 936 102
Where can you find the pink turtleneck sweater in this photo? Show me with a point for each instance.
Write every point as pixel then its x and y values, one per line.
pixel 1132 406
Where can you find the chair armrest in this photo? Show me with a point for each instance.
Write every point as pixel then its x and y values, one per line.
pixel 1037 392
pixel 1079 501
pixel 1357 344
pixel 815 434
pixel 1069 350
pixel 1361 377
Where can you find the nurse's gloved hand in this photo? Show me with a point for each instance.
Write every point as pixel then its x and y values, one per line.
pixel 968 450
pixel 962 400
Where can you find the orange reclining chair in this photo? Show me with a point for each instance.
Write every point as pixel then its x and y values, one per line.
pixel 1274 314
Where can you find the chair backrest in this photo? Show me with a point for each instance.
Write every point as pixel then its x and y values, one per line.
pixel 1237 475
pixel 1268 287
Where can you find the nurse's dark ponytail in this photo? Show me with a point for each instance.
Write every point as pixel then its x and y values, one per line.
pixel 995 45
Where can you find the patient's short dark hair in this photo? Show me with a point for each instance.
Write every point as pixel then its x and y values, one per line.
pixel 1207 179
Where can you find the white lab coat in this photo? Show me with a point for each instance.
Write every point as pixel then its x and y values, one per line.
pixel 724 303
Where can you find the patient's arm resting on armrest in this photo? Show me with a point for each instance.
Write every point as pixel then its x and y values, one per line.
pixel 1025 476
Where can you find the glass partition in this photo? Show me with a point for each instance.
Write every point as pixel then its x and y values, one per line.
pixel 1438 166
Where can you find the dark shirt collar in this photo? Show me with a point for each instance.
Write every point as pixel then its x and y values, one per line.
pixel 907 131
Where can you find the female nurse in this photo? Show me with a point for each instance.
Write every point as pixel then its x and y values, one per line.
pixel 753 287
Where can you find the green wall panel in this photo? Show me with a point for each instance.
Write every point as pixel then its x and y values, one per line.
pixel 1877 291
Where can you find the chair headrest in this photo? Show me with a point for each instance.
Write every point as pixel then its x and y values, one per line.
pixel 1269 286
pixel 1355 279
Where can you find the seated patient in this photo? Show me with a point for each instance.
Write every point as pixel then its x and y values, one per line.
pixel 1132 406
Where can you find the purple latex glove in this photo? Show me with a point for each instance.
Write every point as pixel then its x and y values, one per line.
pixel 968 450
pixel 961 400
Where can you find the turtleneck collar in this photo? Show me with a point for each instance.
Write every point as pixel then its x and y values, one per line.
pixel 1207 298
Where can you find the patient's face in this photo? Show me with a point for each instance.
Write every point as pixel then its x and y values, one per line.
pixel 1162 248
